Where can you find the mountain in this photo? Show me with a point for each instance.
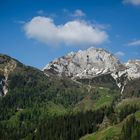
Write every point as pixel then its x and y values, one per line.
pixel 59 105
pixel 85 64
pixel 94 62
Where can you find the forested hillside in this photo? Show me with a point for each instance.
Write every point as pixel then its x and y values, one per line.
pixel 46 107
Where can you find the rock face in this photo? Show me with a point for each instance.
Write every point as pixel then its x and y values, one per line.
pixel 7 65
pixel 133 69
pixel 94 62
pixel 85 64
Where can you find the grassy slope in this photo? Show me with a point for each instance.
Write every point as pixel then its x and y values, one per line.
pixel 55 109
pixel 104 98
pixel 113 131
pixel 128 101
pixel 101 135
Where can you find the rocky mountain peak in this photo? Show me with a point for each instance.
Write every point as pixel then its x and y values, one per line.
pixel 84 63
pixel 94 62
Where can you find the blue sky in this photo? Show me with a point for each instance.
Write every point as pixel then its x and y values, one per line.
pixel 37 31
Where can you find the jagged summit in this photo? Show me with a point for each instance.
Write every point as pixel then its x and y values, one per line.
pixel 85 63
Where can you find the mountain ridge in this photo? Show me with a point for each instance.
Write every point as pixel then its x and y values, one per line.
pixel 93 62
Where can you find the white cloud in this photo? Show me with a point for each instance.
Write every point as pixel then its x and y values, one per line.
pixel 133 2
pixel 78 13
pixel 74 32
pixel 134 43
pixel 120 54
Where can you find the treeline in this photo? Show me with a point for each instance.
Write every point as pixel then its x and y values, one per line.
pixel 126 110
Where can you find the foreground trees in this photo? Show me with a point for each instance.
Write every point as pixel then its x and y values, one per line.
pixel 131 129
pixel 70 127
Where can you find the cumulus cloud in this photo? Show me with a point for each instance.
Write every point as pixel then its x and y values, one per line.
pixel 133 2
pixel 78 13
pixel 120 54
pixel 134 43
pixel 71 33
